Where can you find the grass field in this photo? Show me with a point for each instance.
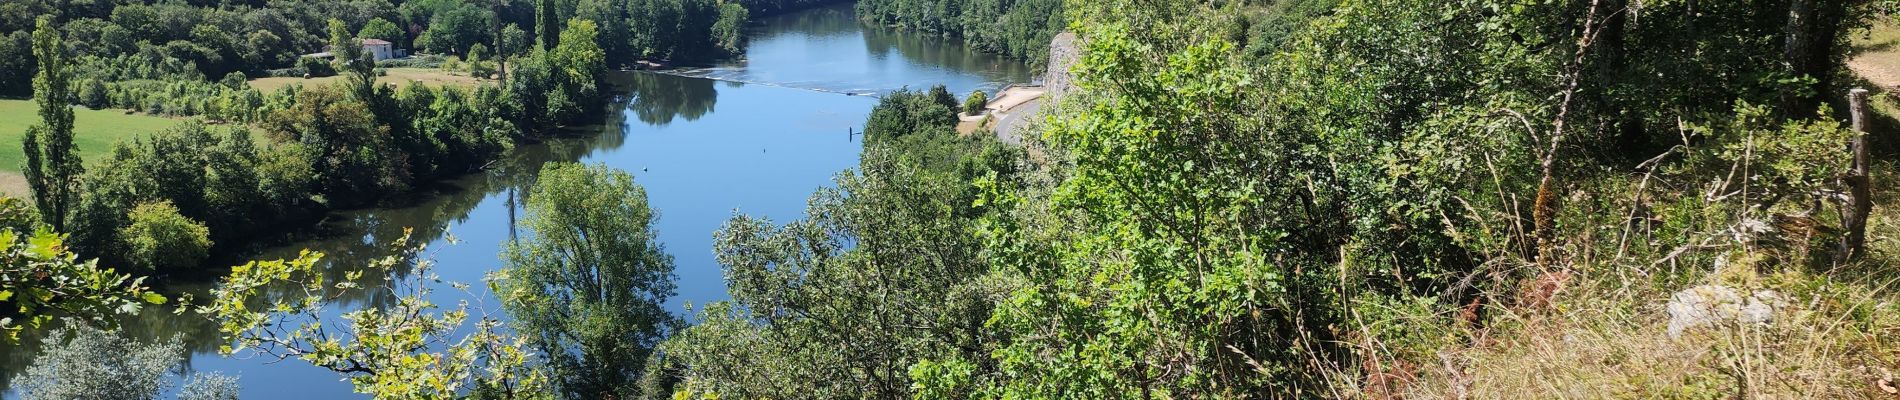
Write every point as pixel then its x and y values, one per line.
pixel 94 132
pixel 396 76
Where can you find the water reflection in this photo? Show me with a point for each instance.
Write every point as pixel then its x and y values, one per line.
pixel 833 20
pixel 657 99
pixel 828 50
pixel 774 141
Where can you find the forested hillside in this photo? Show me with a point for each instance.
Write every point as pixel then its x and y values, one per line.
pixel 1017 28
pixel 1237 199
pixel 1378 198
pixel 121 41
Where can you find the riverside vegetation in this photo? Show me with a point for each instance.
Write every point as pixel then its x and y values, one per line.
pixel 1239 199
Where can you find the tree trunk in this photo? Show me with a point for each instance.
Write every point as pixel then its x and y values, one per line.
pixel 1795 50
pixel 1859 183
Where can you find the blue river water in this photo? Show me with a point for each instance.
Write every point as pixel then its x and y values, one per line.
pixel 756 136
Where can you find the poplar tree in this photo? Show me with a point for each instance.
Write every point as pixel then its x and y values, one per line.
pixel 52 163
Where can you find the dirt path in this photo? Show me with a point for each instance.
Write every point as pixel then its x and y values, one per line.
pixel 1877 56
pixel 1881 68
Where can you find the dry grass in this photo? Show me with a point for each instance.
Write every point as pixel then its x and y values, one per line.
pixel 1605 334
pixel 1832 343
pixel 395 76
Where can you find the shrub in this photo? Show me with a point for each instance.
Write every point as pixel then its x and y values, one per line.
pixel 235 80
pixel 420 61
pixel 93 94
pixel 96 364
pixel 159 238
pixel 315 67
pixel 974 104
pixel 452 63
pixel 100 364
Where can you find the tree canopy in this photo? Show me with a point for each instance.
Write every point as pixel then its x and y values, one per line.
pixel 587 282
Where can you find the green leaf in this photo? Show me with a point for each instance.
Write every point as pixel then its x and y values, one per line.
pixel 153 298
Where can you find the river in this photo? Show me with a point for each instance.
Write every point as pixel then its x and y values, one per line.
pixel 755 136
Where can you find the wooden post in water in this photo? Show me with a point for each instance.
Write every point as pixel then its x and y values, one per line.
pixel 1859 184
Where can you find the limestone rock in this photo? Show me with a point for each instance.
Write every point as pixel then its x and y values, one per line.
pixel 1713 305
pixel 1063 52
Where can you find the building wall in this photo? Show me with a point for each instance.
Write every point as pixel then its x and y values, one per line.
pixel 380 52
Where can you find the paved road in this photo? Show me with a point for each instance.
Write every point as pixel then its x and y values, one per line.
pixel 1018 119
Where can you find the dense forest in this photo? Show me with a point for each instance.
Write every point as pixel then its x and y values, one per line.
pixel 1018 28
pixel 1237 199
pixel 117 42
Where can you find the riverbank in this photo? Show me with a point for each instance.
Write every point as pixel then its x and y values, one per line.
pixel 702 148
pixel 1016 107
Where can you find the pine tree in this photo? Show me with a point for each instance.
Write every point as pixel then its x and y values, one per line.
pixel 52 163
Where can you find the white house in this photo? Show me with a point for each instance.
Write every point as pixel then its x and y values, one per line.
pixel 379 49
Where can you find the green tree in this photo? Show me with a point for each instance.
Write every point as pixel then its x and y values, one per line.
pixel 157 237
pixel 41 279
pixel 940 94
pixel 414 349
pixel 94 95
pixel 580 61
pixel 52 166
pixel 478 64
pixel 728 32
pixel 907 112
pixel 513 42
pixel 561 86
pixel 348 150
pixel 379 28
pixel 16 64
pixel 974 104
pixel 345 50
pixel 455 30
pixel 547 24
pixel 234 191
pixel 588 283
pixel 1019 29
pixel 884 271
pixel 1184 275
pixel 611 19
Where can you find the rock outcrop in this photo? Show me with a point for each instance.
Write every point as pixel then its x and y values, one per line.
pixel 1063 52
pixel 1716 305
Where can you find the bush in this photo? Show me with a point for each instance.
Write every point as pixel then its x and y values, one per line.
pixel 93 94
pixel 209 386
pixel 420 61
pixel 97 364
pixel 100 364
pixel 235 80
pixel 974 105
pixel 452 63
pixel 159 238
pixel 315 67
